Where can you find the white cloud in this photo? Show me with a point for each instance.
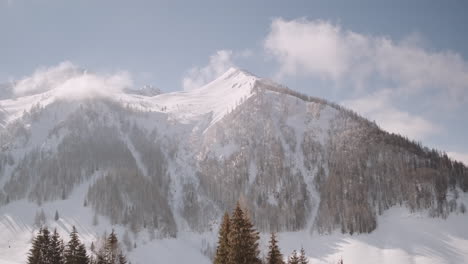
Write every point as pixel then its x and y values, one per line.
pixel 219 63
pixel 378 107
pixel 463 157
pixel 378 72
pixel 44 79
pixel 304 47
pixel 320 48
pixel 69 81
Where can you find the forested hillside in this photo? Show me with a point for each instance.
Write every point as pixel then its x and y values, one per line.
pixel 176 162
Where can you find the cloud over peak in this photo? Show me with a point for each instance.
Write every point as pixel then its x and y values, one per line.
pixel 69 81
pixel 378 106
pixel 320 48
pixel 303 47
pixel 219 63
pixel 376 73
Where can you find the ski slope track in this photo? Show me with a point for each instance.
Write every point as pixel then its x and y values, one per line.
pixel 162 168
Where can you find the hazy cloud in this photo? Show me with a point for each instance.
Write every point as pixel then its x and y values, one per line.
pixel 320 48
pixel 304 47
pixel 378 107
pixel 376 70
pixel 219 63
pixel 463 157
pixel 69 81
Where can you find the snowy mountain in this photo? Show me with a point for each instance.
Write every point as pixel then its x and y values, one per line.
pixel 165 167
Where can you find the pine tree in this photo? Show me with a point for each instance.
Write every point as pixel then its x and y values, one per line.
pixel 75 251
pixel 82 257
pixel 100 258
pixel 56 218
pixel 92 254
pixel 293 259
pixel 35 253
pixel 111 253
pixel 274 255
pixel 111 249
pixel 222 251
pixel 122 259
pixel 41 251
pixel 57 249
pixel 243 239
pixel 46 248
pixel 302 258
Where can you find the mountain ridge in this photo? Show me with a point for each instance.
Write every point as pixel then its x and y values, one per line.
pixel 169 165
pixel 281 150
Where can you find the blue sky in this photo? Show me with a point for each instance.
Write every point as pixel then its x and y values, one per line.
pixel 401 63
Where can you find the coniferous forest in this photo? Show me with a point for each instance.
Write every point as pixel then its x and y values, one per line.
pixel 238 243
pixel 49 248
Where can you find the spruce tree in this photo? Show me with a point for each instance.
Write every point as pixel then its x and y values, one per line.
pixel 41 251
pixel 293 259
pixel 57 249
pixel 35 253
pixel 122 259
pixel 274 255
pixel 82 257
pixel 75 251
pixel 302 258
pixel 222 251
pixel 243 239
pixel 56 217
pixel 111 249
pixel 111 253
pixel 45 247
pixel 100 258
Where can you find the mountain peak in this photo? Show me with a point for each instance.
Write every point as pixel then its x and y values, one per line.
pixel 235 71
pixel 217 98
pixel 233 80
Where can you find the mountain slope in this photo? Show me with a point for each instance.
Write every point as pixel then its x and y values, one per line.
pixel 170 164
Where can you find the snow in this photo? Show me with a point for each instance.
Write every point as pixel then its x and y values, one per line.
pixel 14 108
pixel 216 98
pixel 401 237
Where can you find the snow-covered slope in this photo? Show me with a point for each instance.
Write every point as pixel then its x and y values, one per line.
pixel 402 237
pixel 215 99
pixel 165 167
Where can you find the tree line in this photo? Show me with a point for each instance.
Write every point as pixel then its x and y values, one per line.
pixel 49 248
pixel 238 243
